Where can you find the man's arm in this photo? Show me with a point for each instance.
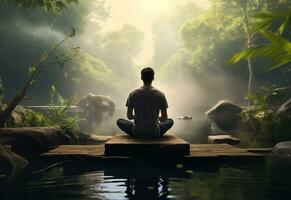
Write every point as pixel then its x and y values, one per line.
pixel 164 115
pixel 130 114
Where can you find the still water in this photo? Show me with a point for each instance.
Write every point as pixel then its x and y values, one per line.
pixel 146 181
pixel 194 130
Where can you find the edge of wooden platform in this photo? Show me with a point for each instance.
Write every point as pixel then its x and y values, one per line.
pixel 196 151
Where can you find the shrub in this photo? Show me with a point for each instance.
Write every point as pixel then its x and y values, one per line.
pixel 264 125
pixel 59 109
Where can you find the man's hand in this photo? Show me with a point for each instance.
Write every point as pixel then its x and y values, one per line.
pixel 130 114
pixel 164 116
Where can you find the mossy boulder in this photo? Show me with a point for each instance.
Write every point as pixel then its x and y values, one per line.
pixel 282 149
pixel 29 141
pixel 225 114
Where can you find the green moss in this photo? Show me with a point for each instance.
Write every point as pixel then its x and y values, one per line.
pixel 33 119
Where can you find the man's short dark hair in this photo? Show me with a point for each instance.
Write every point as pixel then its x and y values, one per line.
pixel 147 74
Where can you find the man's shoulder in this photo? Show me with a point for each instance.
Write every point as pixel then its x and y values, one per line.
pixel 157 91
pixel 141 90
pixel 135 91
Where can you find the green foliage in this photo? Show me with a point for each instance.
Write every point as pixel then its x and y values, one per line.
pixel 212 37
pixel 278 49
pixel 33 119
pixel 47 5
pixel 274 129
pixel 166 31
pixel 172 69
pixel 59 111
pixel 120 47
pixel 89 71
pixel 261 119
pixel 27 32
pixel 269 128
pixel 58 114
pixel 35 69
pixel 264 21
pixel 265 130
pixel 264 103
pixel 220 33
pixel 67 56
pixel 266 98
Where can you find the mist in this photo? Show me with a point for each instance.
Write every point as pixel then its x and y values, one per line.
pixel 180 41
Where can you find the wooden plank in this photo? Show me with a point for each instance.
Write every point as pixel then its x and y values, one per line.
pixel 125 139
pixel 196 150
pixel 166 147
pixel 86 150
pixel 260 150
pixel 200 155
pixel 217 148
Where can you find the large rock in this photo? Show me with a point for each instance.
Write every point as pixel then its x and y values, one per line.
pixel 21 117
pixel 33 140
pixel 282 149
pixel 225 114
pixel 95 106
pixel 10 163
pixel 17 116
pixel 223 139
pixel 285 109
pixel 80 138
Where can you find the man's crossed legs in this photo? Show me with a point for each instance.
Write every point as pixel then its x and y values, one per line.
pixel 127 126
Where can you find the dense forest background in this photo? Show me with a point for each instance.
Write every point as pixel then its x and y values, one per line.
pixel 192 47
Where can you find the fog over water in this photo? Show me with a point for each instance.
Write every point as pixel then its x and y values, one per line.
pixel 179 39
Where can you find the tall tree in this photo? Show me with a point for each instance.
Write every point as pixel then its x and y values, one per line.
pixel 243 5
pixel 249 8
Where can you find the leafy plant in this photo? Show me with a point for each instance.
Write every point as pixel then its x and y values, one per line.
pixel 269 127
pixel 33 119
pixel 262 120
pixel 48 5
pixel 34 70
pixel 266 98
pixel 59 109
pixel 278 49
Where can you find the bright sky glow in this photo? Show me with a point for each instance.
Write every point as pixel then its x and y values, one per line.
pixel 141 14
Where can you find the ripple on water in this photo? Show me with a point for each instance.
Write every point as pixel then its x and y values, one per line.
pixel 269 182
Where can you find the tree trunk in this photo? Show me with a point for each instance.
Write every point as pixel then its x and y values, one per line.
pixel 15 101
pixel 251 77
pixel 11 106
pixel 244 5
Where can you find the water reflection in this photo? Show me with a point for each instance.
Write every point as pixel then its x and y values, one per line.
pixel 139 181
pixel 133 188
pixel 151 181
pixel 154 188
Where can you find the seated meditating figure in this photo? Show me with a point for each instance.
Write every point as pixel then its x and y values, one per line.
pixel 144 106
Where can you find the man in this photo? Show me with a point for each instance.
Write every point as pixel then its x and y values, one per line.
pixel 143 106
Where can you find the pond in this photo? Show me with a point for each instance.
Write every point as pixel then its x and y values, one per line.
pixel 147 181
pixel 194 130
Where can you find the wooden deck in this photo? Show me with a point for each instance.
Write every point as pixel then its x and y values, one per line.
pixel 196 150
pixel 217 153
